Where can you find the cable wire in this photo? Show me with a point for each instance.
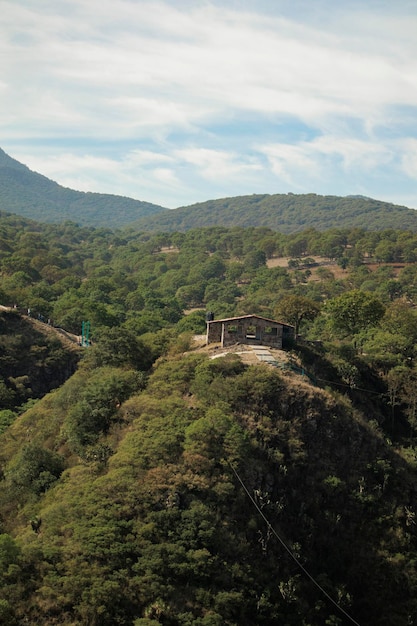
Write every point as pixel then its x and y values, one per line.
pixel 351 387
pixel 290 552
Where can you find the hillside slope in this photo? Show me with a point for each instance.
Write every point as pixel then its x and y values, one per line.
pixel 34 196
pixel 286 213
pixel 177 511
pixel 34 358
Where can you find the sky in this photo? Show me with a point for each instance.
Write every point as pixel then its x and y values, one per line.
pixel 178 101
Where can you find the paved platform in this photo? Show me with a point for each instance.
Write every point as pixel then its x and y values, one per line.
pixel 263 354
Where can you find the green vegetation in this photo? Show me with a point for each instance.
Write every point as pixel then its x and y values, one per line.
pixel 34 196
pixel 287 213
pixel 151 523
pixel 142 482
pixel 32 362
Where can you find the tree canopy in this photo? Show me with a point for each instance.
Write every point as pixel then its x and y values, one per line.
pixel 354 311
pixel 143 482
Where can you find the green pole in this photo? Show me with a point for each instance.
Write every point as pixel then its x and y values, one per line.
pixel 85 334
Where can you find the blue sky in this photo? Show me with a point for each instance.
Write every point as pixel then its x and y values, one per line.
pixel 180 101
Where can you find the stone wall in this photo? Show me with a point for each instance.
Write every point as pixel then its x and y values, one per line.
pixel 246 330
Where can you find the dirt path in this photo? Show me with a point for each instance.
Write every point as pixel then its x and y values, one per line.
pixel 69 340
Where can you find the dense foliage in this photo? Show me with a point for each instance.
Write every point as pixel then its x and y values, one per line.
pixel 157 486
pixel 287 213
pixel 152 524
pixel 32 361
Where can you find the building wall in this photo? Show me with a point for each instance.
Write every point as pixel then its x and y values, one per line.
pixel 246 330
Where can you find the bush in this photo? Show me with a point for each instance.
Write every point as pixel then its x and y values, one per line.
pixel 119 347
pixel 36 468
pixel 98 404
pixel 7 417
pixel 195 322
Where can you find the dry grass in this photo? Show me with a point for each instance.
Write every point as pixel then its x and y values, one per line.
pixel 337 271
pixel 68 340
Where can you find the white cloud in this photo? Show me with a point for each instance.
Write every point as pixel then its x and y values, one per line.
pixel 409 158
pixel 313 159
pixel 354 153
pixel 291 162
pixel 166 176
pixel 217 164
pixel 309 88
pixel 72 170
pixel 138 158
pixel 213 58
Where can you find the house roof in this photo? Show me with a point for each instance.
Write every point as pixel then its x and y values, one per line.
pixel 244 317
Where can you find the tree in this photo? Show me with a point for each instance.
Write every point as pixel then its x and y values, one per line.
pixel 98 405
pixel 401 318
pixel 384 348
pixel 7 417
pixel 295 309
pixel 395 379
pixel 36 468
pixel 254 260
pixel 409 398
pixel 332 244
pixel 9 552
pixel 354 311
pixel 7 396
pixel 391 288
pixel 385 252
pixel 119 347
pixel 194 322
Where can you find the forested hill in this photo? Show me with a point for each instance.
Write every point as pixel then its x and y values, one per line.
pixel 123 502
pixel 286 213
pixel 155 484
pixel 34 359
pixel 34 196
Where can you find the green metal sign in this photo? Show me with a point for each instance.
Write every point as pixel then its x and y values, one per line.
pixel 85 334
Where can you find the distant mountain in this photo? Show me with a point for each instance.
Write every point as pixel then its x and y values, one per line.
pixel 34 196
pixel 286 213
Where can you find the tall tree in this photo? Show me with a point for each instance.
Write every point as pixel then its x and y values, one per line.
pixel 354 311
pixel 295 309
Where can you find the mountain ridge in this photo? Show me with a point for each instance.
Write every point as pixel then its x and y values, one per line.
pixel 36 197
pixel 286 213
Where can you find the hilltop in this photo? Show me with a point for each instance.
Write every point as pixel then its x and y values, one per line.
pixel 32 195
pixel 165 502
pixel 285 213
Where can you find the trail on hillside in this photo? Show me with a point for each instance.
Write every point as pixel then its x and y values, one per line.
pixel 70 340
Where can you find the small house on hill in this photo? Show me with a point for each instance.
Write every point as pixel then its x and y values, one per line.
pixel 249 329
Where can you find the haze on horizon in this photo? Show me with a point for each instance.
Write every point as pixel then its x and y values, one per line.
pixel 179 101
